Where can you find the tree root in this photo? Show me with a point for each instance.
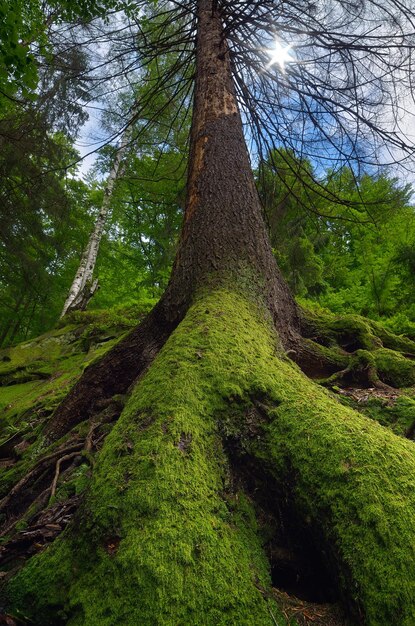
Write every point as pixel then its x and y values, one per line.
pixel 42 464
pixel 46 526
pixel 367 374
pixel 63 459
pixel 344 476
pixel 26 494
pixel 374 380
pixel 37 505
pixel 378 367
pixel 112 375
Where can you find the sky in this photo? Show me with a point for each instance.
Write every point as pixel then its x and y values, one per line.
pixel 92 136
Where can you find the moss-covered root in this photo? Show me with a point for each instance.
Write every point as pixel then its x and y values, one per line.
pixel 354 347
pixel 163 538
pixel 353 483
pixel 160 542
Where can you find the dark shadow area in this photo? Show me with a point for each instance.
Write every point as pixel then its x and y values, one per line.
pixel 298 564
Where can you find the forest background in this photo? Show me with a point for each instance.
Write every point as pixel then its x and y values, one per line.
pixel 356 255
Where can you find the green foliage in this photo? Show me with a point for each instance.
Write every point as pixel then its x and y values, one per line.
pixel 345 243
pixel 20 24
pixel 23 29
pixel 287 186
pixel 146 220
pixel 359 256
pixel 43 223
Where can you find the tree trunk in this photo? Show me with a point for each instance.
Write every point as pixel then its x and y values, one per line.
pixel 227 463
pixel 11 320
pixel 223 234
pixel 84 285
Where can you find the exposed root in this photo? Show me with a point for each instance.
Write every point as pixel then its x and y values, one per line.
pixel 112 375
pixel 316 360
pixel 337 376
pixel 38 504
pixel 315 466
pixel 42 464
pixel 29 492
pixel 43 529
pixel 373 378
pixel 379 367
pixel 63 459
pixel 89 439
pixel 363 395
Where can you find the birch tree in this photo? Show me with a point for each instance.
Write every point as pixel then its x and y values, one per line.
pixel 84 284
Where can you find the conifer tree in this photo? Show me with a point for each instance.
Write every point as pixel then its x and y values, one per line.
pixel 222 426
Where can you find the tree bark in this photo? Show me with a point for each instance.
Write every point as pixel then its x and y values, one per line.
pixel 224 231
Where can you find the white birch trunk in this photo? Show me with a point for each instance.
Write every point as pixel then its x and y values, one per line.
pixel 84 286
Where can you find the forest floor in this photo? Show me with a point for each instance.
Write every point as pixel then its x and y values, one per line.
pixel 36 375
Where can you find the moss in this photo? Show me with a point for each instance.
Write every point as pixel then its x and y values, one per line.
pixel 37 375
pixel 326 355
pixel 391 340
pixel 367 348
pixel 122 317
pixel 49 597
pixel 74 484
pixel 161 540
pixel 19 396
pixel 399 415
pixel 158 541
pixel 355 332
pixel 352 331
pixel 394 369
pixel 51 364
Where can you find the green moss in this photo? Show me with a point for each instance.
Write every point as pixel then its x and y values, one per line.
pixel 397 415
pixel 74 484
pixel 326 355
pixel 393 341
pixel 37 375
pixel 352 331
pixel 121 317
pixel 182 553
pixel 51 364
pixel 393 368
pixel 158 541
pixel 49 597
pixel 18 396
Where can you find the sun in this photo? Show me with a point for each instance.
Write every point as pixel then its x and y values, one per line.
pixel 280 55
